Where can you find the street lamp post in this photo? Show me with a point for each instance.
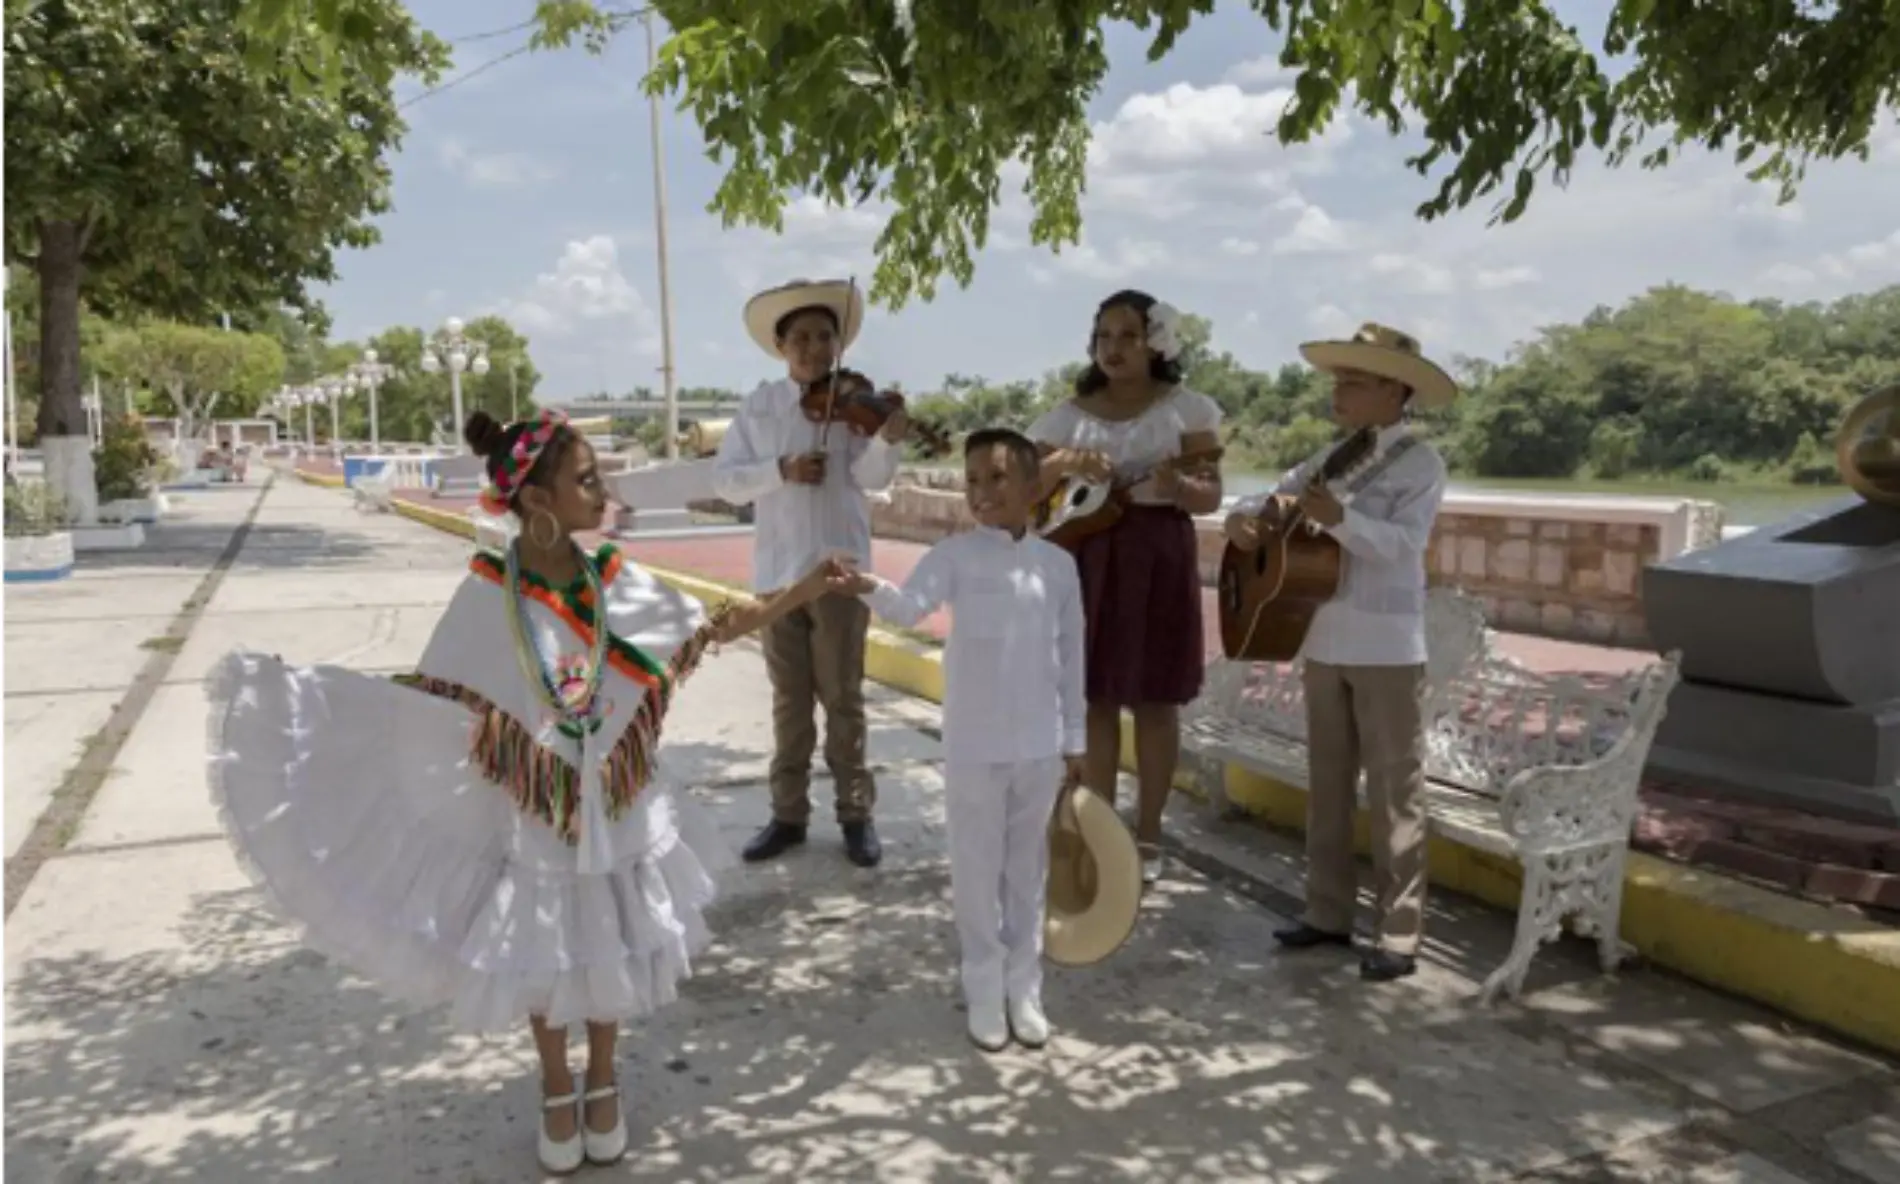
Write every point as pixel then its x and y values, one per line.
pixel 331 390
pixel 367 375
pixel 457 353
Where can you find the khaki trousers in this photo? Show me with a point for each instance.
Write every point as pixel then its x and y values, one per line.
pixel 1366 718
pixel 814 655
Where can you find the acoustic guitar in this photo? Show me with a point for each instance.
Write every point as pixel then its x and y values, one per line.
pixel 1077 509
pixel 1268 596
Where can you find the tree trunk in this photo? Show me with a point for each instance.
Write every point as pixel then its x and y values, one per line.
pixel 64 439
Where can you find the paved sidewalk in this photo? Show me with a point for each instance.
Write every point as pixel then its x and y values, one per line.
pixel 161 1025
pixel 76 647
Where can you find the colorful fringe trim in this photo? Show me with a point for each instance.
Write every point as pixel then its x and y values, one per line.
pixel 543 783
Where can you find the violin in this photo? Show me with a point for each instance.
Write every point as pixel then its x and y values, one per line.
pixel 850 398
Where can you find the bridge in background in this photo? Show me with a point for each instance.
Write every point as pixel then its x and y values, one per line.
pixel 641 410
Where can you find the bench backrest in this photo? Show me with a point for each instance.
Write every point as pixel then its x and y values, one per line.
pixel 1269 696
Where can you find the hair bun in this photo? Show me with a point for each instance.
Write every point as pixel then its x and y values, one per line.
pixel 484 433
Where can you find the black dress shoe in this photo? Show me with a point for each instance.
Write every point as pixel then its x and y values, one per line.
pixel 860 844
pixel 1305 937
pixel 1382 966
pixel 773 840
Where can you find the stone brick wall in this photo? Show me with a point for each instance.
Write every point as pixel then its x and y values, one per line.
pixel 1570 579
pixel 1568 576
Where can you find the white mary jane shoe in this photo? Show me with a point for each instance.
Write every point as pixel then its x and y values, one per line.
pixel 604 1147
pixel 562 1158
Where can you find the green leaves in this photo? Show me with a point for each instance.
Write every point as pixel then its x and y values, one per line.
pixel 190 365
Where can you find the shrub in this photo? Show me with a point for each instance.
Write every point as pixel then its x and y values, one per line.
pixel 34 510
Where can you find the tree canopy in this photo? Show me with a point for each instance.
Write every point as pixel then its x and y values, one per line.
pixel 926 104
pixel 155 166
pixel 199 372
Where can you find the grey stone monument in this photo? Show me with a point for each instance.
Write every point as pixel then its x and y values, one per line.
pixel 1790 643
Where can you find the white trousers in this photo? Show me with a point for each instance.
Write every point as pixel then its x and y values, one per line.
pixel 999 869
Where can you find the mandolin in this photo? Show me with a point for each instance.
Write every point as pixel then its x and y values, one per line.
pixel 1268 596
pixel 1077 509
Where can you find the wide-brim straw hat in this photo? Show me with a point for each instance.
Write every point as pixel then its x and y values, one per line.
pixel 1376 349
pixel 1094 881
pixel 764 311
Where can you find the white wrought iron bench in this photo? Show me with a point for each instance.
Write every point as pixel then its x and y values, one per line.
pixel 374 488
pixel 1254 714
pixel 1560 800
pixel 1545 770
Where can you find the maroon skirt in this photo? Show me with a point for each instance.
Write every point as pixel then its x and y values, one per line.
pixel 1141 596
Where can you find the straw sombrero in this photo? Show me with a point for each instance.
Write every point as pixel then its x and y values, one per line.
pixel 1388 353
pixel 764 311
pixel 1094 881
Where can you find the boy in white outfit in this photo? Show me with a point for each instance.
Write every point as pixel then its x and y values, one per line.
pixel 1013 723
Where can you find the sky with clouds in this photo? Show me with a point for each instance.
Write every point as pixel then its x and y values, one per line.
pixel 528 191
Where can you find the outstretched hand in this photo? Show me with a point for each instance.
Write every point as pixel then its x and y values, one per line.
pixel 843 577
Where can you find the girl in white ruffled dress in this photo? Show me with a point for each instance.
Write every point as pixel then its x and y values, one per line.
pixel 494 833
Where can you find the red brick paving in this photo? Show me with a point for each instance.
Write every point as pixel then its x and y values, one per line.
pixel 1824 859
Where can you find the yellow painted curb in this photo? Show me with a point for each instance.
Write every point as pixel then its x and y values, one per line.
pixel 1825 966
pixel 1829 968
pixel 326 480
pixel 430 516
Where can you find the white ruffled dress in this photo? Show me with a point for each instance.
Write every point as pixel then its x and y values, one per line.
pixel 441 835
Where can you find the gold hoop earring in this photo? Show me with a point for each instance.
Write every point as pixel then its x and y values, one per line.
pixel 554 530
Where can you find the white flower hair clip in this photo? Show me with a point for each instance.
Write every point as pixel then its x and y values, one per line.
pixel 1164 330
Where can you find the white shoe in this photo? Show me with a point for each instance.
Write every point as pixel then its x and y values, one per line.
pixel 608 1146
pixel 1028 1023
pixel 1150 867
pixel 989 1028
pixel 565 1157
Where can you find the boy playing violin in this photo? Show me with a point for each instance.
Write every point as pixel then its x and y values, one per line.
pixel 807 481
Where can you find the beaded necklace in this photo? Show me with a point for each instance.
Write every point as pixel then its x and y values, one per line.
pixel 570 689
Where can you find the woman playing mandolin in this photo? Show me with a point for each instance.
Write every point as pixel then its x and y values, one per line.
pixel 1141 584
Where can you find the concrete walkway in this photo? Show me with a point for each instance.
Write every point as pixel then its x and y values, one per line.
pixel 162 1025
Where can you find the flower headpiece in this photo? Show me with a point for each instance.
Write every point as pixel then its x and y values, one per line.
pixel 1164 330
pixel 513 471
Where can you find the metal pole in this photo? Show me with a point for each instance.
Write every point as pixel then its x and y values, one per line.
pixel 514 395
pixel 375 427
pixel 336 432
pixel 666 289
pixel 455 392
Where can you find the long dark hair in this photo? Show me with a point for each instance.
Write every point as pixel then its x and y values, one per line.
pixel 1159 368
pixel 492 441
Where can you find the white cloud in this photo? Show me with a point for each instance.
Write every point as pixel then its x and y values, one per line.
pixel 1188 147
pixel 1865 264
pixel 1128 259
pixel 1413 275
pixel 1332 321
pixel 1496 279
pixel 820 241
pixel 1314 232
pixel 586 295
pixel 1264 70
pixel 1239 247
pixel 493 170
